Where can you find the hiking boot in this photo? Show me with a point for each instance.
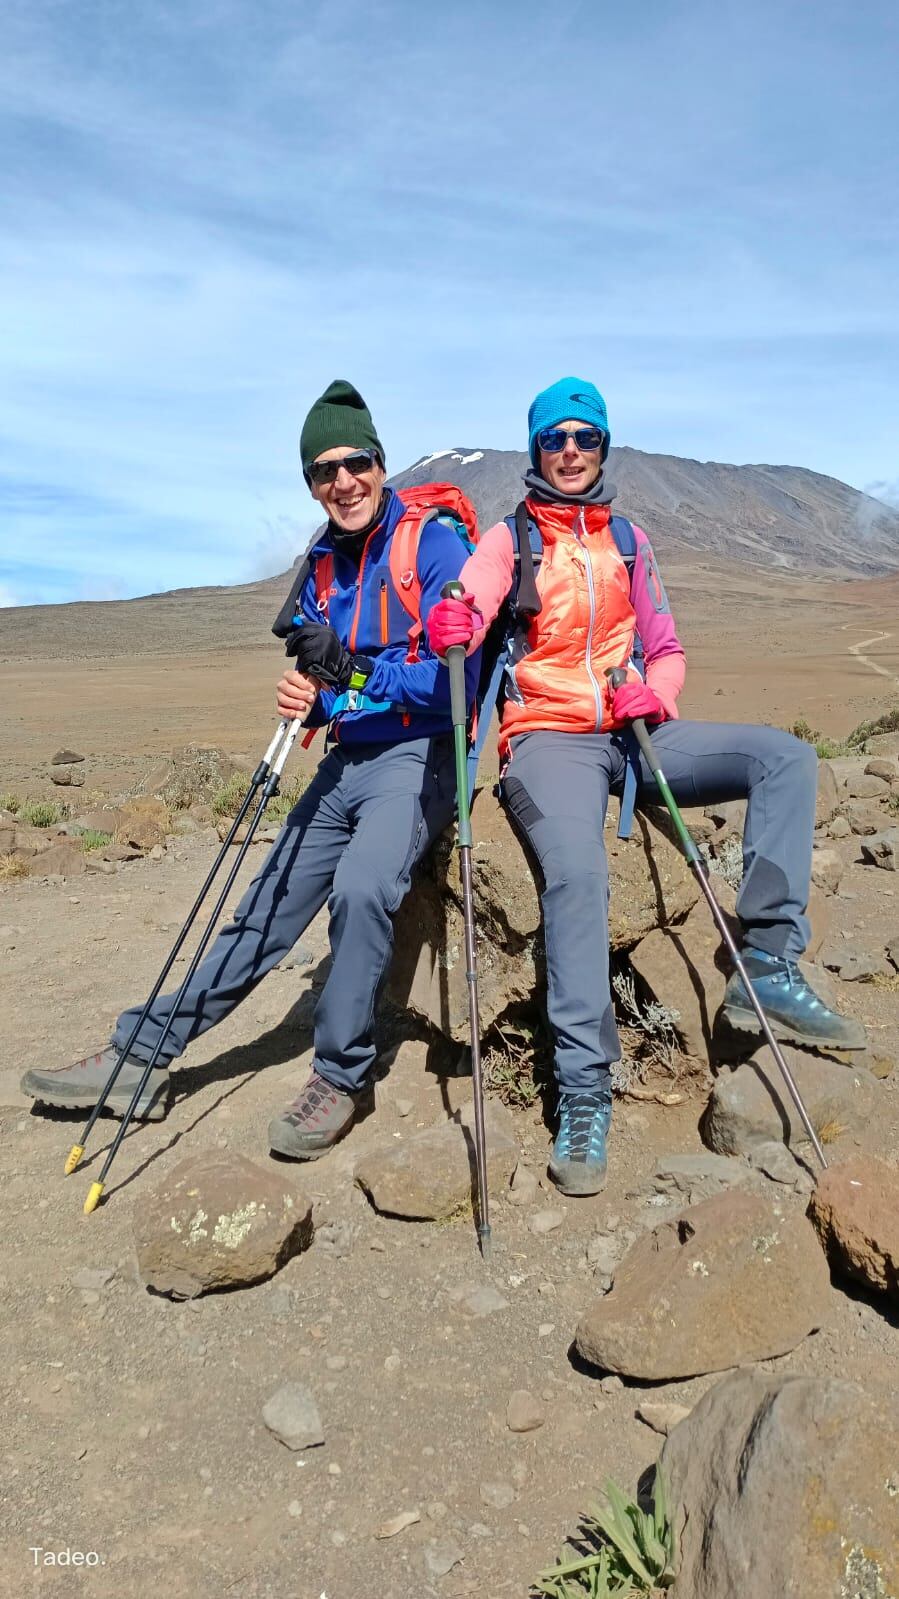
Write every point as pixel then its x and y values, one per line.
pixel 578 1164
pixel 78 1087
pixel 790 1003
pixel 314 1122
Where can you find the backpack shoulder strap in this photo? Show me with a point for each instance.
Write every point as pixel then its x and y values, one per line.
pixel 623 533
pixel 324 577
pixel 527 600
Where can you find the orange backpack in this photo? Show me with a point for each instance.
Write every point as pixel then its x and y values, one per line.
pixel 428 502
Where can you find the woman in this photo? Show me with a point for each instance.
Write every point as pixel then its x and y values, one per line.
pixel 564 748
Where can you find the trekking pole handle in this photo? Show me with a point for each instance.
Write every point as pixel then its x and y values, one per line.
pixel 455 660
pixel 617 675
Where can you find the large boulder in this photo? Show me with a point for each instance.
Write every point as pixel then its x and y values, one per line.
pixel 785 1487
pixel 142 823
pixel 686 967
pixel 218 1221
pixel 855 1210
pixel 882 744
pixel 750 1105
pixel 194 774
pixel 650 886
pixel 736 1278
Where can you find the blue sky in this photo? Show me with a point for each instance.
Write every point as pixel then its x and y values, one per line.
pixel 213 208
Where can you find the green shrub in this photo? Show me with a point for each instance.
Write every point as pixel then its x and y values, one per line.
pixel 91 838
pixel 10 802
pixel 627 1551
pixel 40 813
pixel 825 747
pixel 283 803
pixel 888 723
pixel 227 800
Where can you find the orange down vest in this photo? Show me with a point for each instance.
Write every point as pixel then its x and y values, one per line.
pixel 586 624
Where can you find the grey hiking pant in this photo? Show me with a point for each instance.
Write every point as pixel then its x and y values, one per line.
pixel 556 788
pixel 369 814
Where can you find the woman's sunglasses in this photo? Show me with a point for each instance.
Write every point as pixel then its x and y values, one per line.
pixel 553 440
pixel 326 471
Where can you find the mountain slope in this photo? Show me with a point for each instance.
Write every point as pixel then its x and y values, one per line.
pixel 782 516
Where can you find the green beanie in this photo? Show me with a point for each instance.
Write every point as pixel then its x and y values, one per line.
pixel 340 416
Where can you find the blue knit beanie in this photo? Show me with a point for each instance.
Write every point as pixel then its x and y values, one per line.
pixel 572 398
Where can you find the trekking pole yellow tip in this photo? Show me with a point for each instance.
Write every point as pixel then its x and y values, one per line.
pixel 95 1194
pixel 74 1157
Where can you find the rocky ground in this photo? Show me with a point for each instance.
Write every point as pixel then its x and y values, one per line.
pixel 456 1416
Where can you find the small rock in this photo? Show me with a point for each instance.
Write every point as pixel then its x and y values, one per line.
pixel 839 827
pixel 524 1413
pixel 750 1105
pixel 299 956
pixel 393 1363
pixel 611 1384
pixel 884 768
pixel 883 849
pixel 65 758
pixel 292 1415
pixel 96 1278
pixel 523 1187
pixel 157 853
pixel 216 1221
pixel 865 819
pixel 499 1495
pixel 775 1160
pixel 545 1221
pixel 294 1508
pixel 436 1510
pixel 441 1557
pixel 477 1302
pixel 864 968
pixel 397 1524
pixel 855 1210
pixel 662 1417
pixel 827 869
pixel 698 1176
pixel 478 1530
pixel 866 784
pixel 428 1176
pixel 545 1329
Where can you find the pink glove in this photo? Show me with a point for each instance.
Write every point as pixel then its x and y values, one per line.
pixel 636 699
pixel 453 622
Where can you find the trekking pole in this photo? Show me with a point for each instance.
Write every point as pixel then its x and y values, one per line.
pixel 455 660
pixel 617 676
pixel 269 789
pixel 258 778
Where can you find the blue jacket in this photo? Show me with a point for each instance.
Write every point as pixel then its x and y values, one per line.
pixel 402 699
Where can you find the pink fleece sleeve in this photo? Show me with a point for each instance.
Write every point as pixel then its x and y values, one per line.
pixel 666 663
pixel 489 574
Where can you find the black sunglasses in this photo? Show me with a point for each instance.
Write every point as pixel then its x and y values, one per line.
pixel 553 440
pixel 326 471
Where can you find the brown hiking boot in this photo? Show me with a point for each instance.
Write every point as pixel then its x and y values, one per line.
pixel 314 1122
pixel 79 1086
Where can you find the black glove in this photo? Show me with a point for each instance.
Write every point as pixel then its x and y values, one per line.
pixel 319 653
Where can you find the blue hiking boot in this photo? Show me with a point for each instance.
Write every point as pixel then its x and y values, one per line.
pixel 790 1004
pixel 578 1164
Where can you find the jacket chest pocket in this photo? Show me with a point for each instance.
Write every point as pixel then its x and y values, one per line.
pixel 386 619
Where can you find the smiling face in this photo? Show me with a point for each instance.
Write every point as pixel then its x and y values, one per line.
pixel 571 470
pixel 351 501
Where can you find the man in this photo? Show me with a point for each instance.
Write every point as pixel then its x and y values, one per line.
pixel 564 748
pixel 383 792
